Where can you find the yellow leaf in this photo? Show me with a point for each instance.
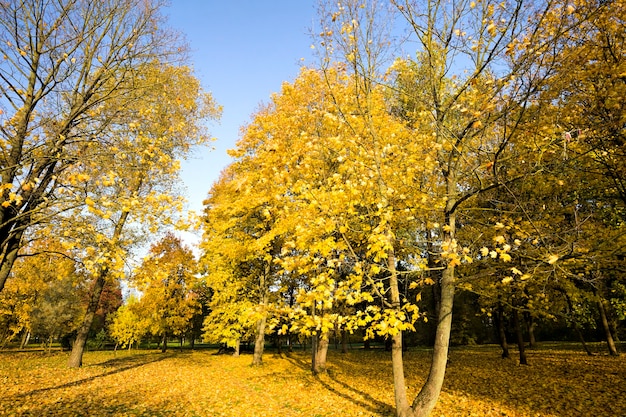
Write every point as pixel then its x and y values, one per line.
pixel 552 259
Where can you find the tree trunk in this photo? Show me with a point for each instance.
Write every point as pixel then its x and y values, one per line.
pixel 164 342
pixel 530 325
pixel 344 341
pixel 319 353
pixel 76 357
pixel 575 323
pixel 237 347
pixel 78 348
pixel 25 339
pixel 520 338
pixel 397 362
pixel 259 341
pixel 9 254
pixel 502 332
pixel 610 342
pixel 435 275
pixel 582 341
pixel 429 394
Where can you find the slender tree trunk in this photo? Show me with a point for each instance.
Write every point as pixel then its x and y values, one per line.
pixel 397 362
pixel 259 341
pixel 429 394
pixel 435 275
pixel 78 348
pixel 582 340
pixel 610 342
pixel 25 339
pixel 520 338
pixel 237 347
pixel 76 356
pixel 502 332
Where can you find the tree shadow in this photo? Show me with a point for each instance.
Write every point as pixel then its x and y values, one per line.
pixel 118 364
pixel 343 390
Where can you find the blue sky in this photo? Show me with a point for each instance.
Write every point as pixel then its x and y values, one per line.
pixel 242 51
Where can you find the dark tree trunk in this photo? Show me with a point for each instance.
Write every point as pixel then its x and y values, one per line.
pixel 76 356
pixel 530 326
pixel 520 338
pixel 10 249
pixel 575 323
pixel 582 341
pixel 610 342
pixel 164 342
pixel 344 341
pixel 502 332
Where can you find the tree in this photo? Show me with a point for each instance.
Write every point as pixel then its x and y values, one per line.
pixel 165 279
pixel 43 295
pixel 239 244
pixel 478 68
pixel 128 326
pixel 163 125
pixel 96 114
pixel 63 63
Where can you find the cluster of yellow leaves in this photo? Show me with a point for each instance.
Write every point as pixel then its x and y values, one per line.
pixel 200 383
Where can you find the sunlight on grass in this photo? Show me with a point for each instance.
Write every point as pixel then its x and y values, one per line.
pixel 200 383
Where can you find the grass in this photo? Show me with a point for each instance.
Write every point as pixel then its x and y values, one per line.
pixel 559 382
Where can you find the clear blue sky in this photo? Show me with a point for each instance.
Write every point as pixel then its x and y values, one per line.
pixel 242 51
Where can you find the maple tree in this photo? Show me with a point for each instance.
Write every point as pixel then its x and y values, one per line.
pixel 128 325
pixel 165 279
pixel 238 247
pixel 568 218
pixel 57 76
pixel 43 294
pixel 470 110
pixel 138 184
pixel 363 182
pixel 95 118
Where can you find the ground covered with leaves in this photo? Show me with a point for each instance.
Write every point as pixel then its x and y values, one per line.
pixel 559 382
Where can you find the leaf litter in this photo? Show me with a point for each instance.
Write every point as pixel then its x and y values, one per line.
pixel 200 383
